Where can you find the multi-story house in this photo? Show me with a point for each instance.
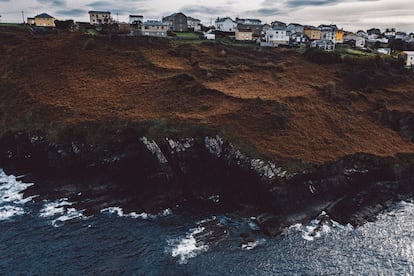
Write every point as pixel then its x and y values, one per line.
pixel 44 20
pixel 100 17
pixel 225 24
pixel 177 22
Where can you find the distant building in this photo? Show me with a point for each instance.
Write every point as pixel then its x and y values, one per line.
pixel 248 21
pixel 100 17
pixel 177 22
pixel 134 19
pixel 389 32
pixel 409 58
pixel 324 44
pixel 225 24
pixel 193 24
pixel 210 35
pixel 44 20
pixel 277 35
pixel 154 28
pixel 354 40
pixel 30 21
pixel 278 24
pixel 294 28
pixel 243 33
pixel 312 33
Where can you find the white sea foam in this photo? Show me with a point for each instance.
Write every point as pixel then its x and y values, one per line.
pixel 252 244
pixel 8 211
pixel 120 213
pixel 53 208
pixel 187 247
pixel 318 227
pixel 12 199
pixel 60 211
pixel 69 214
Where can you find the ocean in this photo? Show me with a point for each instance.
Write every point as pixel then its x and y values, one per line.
pixel 42 237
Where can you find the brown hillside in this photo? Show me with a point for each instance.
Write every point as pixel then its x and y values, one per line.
pixel 274 99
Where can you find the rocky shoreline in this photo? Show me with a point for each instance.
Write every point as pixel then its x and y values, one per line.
pixel 206 174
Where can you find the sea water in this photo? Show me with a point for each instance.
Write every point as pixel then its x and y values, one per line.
pixel 41 237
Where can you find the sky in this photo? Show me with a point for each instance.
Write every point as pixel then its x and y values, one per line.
pixel 350 15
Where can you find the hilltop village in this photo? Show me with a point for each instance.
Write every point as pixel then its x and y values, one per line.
pixel 179 26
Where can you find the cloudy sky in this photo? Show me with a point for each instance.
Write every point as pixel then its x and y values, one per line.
pixel 348 14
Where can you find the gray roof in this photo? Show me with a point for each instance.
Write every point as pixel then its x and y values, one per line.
pixel 43 15
pixel 223 19
pixel 154 23
pixel 100 12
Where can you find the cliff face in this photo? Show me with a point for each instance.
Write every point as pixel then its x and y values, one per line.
pixel 146 124
pixel 207 174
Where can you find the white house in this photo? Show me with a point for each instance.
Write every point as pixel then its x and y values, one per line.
pixel 409 58
pixel 194 24
pixel 226 24
pixel 325 44
pixel 210 35
pixel 355 38
pixel 277 35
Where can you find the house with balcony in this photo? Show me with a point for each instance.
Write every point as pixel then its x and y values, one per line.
pixel 100 17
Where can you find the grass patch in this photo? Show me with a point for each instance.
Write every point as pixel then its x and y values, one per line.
pixel 188 36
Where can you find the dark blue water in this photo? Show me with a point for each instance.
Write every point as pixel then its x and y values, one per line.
pixel 52 237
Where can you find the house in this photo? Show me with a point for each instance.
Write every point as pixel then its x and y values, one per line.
pixel 154 28
pixel 328 32
pixel 295 28
pixel 244 33
pixel 248 21
pixel 324 44
pixel 177 22
pixel 133 19
pixel 297 38
pixel 100 17
pixel 44 20
pixel 409 58
pixel 193 24
pixel 312 33
pixel 278 24
pixel 339 36
pixel 225 24
pixel 256 29
pixel 30 21
pixel 389 32
pixel 277 35
pixel 354 40
pixel 401 35
pixel 362 33
pixel 210 35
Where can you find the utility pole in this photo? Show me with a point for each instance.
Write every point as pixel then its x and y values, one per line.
pixel 117 20
pixel 23 16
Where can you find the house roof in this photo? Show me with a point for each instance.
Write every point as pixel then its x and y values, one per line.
pixel 171 16
pixel 100 12
pixel 43 15
pixel 279 28
pixel 223 19
pixel 193 19
pixel 154 23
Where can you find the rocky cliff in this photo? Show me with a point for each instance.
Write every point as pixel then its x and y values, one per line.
pixel 147 125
